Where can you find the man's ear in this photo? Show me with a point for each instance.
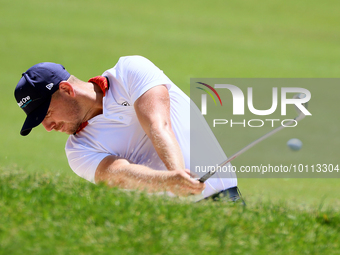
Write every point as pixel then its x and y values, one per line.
pixel 67 88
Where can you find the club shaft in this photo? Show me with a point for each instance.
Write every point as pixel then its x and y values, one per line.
pixel 211 173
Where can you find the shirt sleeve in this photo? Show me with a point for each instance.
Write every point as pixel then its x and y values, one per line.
pixel 140 75
pixel 83 160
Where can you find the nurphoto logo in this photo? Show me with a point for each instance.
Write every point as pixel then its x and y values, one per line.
pixel 301 98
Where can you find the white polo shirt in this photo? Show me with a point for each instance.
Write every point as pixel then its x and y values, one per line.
pixel 118 132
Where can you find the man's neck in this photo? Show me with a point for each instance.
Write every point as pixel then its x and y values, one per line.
pixel 94 102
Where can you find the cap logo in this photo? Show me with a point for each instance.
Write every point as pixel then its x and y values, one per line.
pixel 24 102
pixel 49 86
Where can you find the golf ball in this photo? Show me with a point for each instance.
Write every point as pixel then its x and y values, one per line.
pixel 294 144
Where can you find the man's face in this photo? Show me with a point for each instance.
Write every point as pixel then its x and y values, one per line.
pixel 63 114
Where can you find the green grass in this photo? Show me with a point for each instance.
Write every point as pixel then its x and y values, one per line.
pixel 47 209
pixel 51 214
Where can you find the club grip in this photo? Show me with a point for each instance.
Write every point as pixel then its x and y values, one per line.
pixel 205 177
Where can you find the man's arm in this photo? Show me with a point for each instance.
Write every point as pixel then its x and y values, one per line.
pixel 153 112
pixel 119 172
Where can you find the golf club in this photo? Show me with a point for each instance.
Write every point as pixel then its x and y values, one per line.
pixel 298 118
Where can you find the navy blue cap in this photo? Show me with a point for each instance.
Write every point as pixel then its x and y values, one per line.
pixel 35 89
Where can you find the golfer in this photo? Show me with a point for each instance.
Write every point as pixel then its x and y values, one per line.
pixel 129 128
